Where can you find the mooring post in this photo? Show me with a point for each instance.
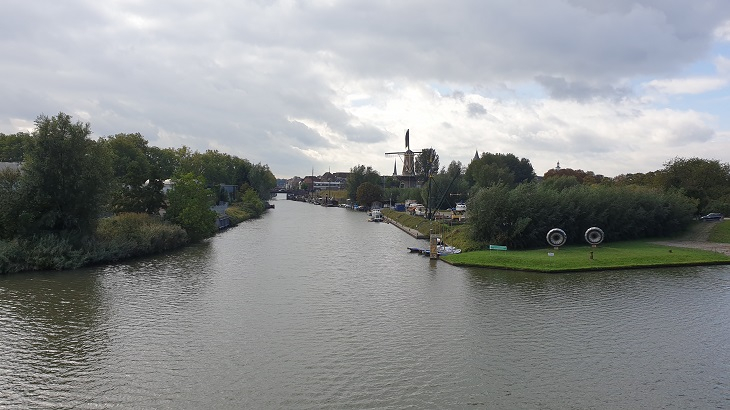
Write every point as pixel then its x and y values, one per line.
pixel 434 253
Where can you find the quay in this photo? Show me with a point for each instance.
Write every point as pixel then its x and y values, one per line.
pixel 410 231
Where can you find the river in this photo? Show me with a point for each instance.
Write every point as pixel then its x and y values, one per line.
pixel 315 308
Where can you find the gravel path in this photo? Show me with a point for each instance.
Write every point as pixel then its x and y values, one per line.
pixel 696 238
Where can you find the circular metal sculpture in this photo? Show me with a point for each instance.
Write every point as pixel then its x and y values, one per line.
pixel 594 236
pixel 556 237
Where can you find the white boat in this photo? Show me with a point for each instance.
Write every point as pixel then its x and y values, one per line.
pixel 447 250
pixel 376 215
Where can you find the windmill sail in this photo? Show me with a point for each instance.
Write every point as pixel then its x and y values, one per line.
pixel 407 143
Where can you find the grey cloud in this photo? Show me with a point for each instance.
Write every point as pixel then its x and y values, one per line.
pixel 234 73
pixel 561 89
pixel 476 110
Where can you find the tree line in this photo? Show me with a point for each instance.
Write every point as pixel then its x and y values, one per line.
pixel 510 205
pixel 73 194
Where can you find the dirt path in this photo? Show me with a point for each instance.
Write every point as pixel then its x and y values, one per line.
pixel 696 238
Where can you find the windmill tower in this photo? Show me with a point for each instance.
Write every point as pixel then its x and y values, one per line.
pixel 408 176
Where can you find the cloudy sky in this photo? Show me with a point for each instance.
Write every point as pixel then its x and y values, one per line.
pixel 611 87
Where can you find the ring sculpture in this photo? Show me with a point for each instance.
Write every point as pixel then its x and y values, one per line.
pixel 556 237
pixel 594 236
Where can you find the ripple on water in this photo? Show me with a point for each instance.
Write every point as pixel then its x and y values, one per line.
pixel 315 308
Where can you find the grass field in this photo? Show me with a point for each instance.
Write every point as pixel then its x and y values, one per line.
pixel 720 232
pixel 622 255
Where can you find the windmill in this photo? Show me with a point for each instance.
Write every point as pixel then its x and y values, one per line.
pixel 408 157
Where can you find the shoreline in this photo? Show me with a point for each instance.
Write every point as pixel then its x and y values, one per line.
pixel 691 249
pixel 410 231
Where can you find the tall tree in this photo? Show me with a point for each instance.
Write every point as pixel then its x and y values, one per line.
pixel 358 175
pixel 13 146
pixel 65 175
pixel 702 179
pixel 10 203
pixel 427 164
pixel 447 188
pixel 262 180
pixel 492 169
pixel 164 162
pixel 137 187
pixel 367 193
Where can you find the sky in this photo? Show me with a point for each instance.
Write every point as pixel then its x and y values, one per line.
pixel 325 85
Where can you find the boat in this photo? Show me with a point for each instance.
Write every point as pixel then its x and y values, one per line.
pixel 376 215
pixel 447 250
pixel 440 249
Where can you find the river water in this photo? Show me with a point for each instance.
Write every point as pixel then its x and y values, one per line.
pixel 315 308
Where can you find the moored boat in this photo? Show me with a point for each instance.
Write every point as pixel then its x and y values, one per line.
pixel 376 215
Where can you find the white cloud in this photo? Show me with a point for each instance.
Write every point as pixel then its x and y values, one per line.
pixel 553 81
pixel 722 32
pixel 696 85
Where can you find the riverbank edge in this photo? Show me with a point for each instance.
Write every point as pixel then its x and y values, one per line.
pixel 410 231
pixel 585 269
pixel 704 257
pixel 618 266
pixel 10 264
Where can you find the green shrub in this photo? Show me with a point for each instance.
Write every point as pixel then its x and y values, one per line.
pixel 520 218
pixel 48 251
pixel 237 214
pixel 131 234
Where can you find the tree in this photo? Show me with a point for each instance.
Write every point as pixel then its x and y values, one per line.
pixel 367 193
pixel 138 185
pixel 10 203
pixel 262 180
pixel 492 169
pixel 581 176
pixel 251 202
pixel 427 164
pixel 702 179
pixel 65 175
pixel 358 175
pixel 447 187
pixel 13 146
pixel 189 207
pixel 164 162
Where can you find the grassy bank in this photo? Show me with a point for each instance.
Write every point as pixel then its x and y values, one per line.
pixel 454 235
pixel 622 255
pixel 720 232
pixel 610 255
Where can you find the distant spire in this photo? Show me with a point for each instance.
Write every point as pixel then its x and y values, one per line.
pixel 557 167
pixel 476 156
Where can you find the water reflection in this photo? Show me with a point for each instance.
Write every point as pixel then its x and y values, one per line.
pixel 53 333
pixel 313 307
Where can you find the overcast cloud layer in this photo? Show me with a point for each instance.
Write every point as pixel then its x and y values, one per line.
pixel 611 87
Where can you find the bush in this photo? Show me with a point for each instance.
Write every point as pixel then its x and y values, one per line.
pixel 237 214
pixel 131 234
pixel 189 207
pixel 521 217
pixel 119 237
pixel 49 251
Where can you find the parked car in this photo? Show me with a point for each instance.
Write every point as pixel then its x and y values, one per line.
pixel 712 216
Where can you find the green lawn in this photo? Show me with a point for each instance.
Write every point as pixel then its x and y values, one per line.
pixel 623 255
pixel 720 232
